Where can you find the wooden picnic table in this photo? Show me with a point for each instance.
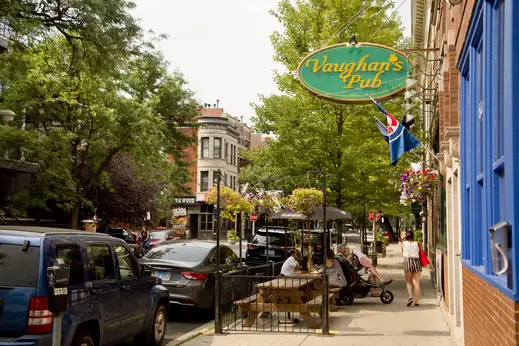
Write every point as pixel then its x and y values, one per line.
pixel 285 294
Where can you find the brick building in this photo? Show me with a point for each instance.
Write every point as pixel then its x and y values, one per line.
pixel 467 60
pixel 222 139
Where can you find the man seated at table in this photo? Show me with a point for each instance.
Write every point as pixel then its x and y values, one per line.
pixel 291 265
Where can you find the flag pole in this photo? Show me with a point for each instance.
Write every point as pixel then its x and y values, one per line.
pixel 426 149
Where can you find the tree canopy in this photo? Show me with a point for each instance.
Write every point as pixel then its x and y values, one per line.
pixel 82 117
pixel 313 134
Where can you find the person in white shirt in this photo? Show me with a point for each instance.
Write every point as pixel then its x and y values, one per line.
pixel 412 267
pixel 291 265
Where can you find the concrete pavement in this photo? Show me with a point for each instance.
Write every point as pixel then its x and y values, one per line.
pixel 366 322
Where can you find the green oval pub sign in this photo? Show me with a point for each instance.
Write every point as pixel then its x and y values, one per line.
pixel 345 74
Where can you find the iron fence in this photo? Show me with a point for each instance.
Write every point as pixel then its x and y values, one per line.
pixel 258 299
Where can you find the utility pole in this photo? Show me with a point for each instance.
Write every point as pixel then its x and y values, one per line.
pixel 218 317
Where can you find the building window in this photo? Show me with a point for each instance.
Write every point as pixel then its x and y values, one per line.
pixel 205 147
pixel 226 150
pixel 217 151
pixel 204 181
pixel 484 111
pixel 206 217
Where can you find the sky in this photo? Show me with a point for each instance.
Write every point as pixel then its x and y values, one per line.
pixel 222 47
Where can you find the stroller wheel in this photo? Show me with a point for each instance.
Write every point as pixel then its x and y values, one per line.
pixel 386 297
pixel 348 300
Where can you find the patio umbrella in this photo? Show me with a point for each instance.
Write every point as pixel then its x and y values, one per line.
pixel 332 213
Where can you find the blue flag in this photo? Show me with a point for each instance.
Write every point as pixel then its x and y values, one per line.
pixel 400 139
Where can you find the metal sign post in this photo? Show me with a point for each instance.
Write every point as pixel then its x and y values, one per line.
pixel 218 317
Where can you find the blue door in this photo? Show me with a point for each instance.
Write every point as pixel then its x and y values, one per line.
pixel 105 290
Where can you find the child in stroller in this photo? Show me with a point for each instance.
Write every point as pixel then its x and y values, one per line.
pixel 361 279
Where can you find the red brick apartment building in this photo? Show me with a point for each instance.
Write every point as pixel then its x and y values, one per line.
pixel 466 66
pixel 221 141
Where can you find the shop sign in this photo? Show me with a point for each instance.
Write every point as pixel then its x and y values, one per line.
pixel 179 212
pixel 178 227
pixel 185 200
pixel 345 74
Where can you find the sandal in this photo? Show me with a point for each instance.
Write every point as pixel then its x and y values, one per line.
pixel 375 294
pixel 410 302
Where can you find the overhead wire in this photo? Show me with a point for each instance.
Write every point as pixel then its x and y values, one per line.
pixel 386 23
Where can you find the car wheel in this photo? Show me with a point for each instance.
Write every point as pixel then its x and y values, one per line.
pixel 83 338
pixel 156 332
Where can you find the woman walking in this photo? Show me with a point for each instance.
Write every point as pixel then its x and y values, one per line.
pixel 412 268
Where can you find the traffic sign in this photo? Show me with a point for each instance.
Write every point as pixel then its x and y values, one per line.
pixel 377 216
pixel 370 216
pixel 253 217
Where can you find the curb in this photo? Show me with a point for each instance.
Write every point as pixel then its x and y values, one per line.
pixel 192 334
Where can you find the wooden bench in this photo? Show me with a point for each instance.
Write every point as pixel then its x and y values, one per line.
pixel 250 299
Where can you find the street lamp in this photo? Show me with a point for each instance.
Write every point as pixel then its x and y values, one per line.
pixel 7 115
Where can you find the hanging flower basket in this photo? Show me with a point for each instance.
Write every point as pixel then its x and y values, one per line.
pixel 417 186
pixel 231 202
pixel 264 201
pixel 304 201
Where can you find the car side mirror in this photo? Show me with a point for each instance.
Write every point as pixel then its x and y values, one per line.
pixel 145 271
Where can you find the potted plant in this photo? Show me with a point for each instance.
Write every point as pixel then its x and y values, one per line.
pixel 417 186
pixel 304 201
pixel 381 243
pixel 232 237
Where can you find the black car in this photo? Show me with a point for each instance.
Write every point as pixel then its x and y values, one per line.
pixel 278 250
pixel 188 270
pixel 121 233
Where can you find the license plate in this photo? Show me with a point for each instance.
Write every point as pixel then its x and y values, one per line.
pixel 270 252
pixel 162 275
pixel 60 291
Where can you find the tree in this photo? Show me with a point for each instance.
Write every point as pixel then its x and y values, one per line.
pixel 126 197
pixel 85 117
pixel 105 29
pixel 313 134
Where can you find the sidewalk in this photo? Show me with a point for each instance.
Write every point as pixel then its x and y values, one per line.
pixel 366 322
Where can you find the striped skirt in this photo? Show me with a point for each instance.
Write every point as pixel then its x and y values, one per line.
pixel 412 265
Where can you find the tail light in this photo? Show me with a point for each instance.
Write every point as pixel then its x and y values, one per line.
pixel 194 276
pixel 285 248
pixel 251 246
pixel 40 318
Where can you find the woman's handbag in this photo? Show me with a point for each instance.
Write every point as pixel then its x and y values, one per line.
pixel 423 257
pixel 334 280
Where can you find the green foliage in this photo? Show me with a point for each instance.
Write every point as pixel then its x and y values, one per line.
pixel 418 235
pixel 304 201
pixel 232 203
pixel 379 237
pixel 79 118
pixel 313 134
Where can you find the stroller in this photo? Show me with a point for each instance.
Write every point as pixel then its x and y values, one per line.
pixel 357 287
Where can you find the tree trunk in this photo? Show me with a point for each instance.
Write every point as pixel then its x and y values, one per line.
pixel 75 216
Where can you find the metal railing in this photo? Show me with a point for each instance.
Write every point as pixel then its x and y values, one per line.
pixel 258 299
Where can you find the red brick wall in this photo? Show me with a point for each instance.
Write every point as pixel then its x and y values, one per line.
pixel 490 318
pixel 191 156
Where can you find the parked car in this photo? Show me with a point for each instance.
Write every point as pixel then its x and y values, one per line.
pixel 121 233
pixel 187 270
pixel 158 237
pixel 103 275
pixel 279 247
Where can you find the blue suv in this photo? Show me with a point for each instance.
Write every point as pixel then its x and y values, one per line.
pixel 111 297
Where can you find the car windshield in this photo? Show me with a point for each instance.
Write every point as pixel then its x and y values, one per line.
pixel 178 253
pixel 274 239
pixel 12 258
pixel 158 235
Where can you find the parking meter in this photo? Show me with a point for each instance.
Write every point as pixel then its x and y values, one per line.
pixel 58 276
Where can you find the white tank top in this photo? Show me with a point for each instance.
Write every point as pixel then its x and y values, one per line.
pixel 411 250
